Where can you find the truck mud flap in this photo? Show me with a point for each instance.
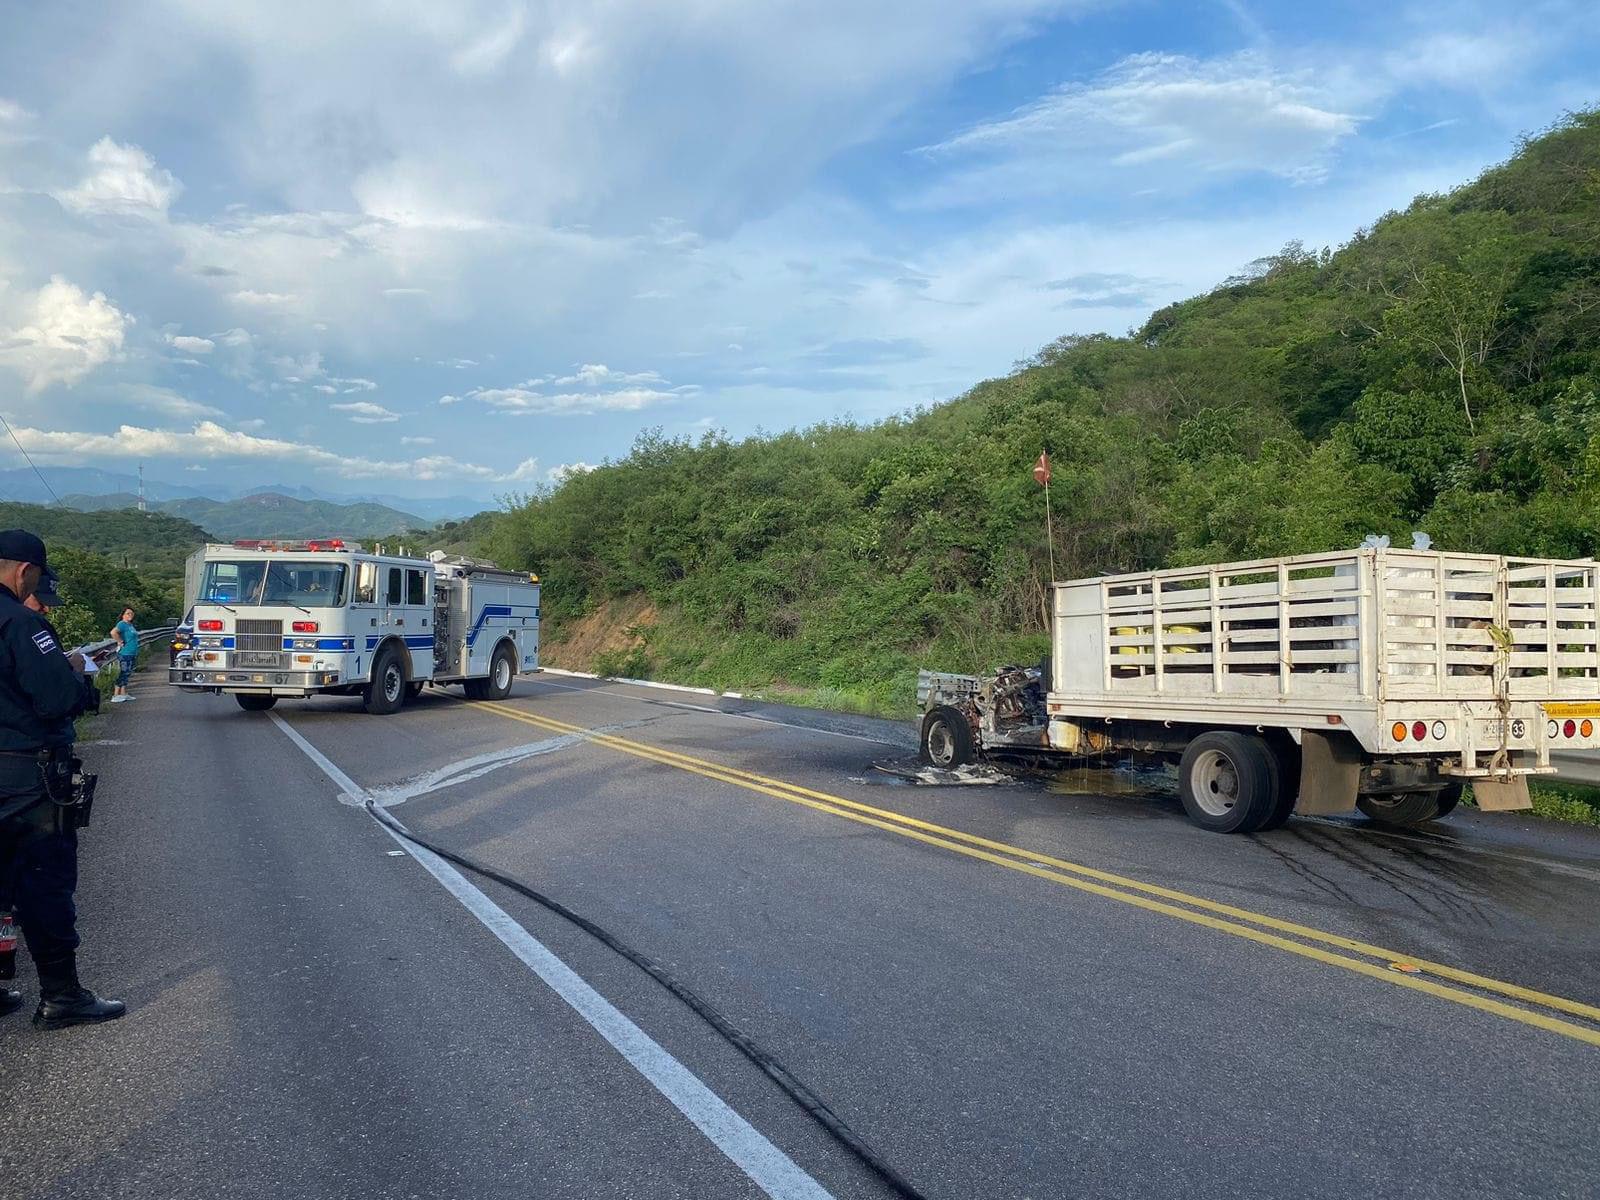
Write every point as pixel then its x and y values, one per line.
pixel 1500 795
pixel 1330 773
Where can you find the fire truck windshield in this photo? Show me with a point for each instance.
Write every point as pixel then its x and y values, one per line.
pixel 269 581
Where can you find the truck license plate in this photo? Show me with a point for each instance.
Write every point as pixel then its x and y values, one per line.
pixel 1495 728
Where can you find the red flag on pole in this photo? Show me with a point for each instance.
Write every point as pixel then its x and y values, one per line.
pixel 1041 469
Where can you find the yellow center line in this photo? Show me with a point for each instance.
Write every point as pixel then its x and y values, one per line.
pixel 1574 1007
pixel 1087 879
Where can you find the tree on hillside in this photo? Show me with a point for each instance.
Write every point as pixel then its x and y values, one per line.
pixel 1456 316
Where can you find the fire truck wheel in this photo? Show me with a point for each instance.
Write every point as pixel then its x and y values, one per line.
pixel 252 703
pixel 387 691
pixel 946 738
pixel 1408 808
pixel 502 670
pixel 1229 782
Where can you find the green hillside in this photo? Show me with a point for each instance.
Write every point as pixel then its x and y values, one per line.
pixel 269 515
pixel 1438 372
pixel 466 536
pixel 110 559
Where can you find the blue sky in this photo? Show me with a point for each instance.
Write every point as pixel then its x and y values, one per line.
pixel 429 248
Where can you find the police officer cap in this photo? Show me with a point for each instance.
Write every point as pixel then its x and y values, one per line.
pixel 19 545
pixel 46 593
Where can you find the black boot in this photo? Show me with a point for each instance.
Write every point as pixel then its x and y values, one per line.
pixel 9 1001
pixel 64 1001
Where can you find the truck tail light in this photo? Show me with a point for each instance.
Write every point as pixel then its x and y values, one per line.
pixel 1419 730
pixel 1399 731
pixel 212 626
pixel 306 627
pixel 1438 731
pixel 1570 728
pixel 1586 727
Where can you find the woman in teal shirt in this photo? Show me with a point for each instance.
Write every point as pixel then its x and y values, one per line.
pixel 127 638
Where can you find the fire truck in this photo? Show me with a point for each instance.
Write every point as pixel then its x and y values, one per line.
pixel 305 618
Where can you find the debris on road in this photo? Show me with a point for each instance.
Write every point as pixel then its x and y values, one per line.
pixel 966 775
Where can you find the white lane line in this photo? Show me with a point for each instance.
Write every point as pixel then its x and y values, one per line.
pixel 649 683
pixel 475 767
pixel 855 737
pixel 768 1167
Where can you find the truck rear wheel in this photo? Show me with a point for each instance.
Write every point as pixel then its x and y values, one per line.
pixel 947 738
pixel 1406 809
pixel 1229 782
pixel 1445 801
pixel 251 702
pixel 387 691
pixel 1288 759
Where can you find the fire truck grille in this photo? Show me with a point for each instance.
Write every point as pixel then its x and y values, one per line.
pixel 259 644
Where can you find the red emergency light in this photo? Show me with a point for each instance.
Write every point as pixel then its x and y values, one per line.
pixel 315 546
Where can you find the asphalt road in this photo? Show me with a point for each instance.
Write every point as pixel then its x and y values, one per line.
pixel 1579 766
pixel 1028 990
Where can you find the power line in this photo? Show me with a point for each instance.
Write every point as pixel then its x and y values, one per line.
pixel 30 462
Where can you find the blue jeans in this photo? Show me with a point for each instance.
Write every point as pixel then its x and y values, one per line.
pixel 125 665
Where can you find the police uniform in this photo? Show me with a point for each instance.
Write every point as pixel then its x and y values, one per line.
pixel 40 695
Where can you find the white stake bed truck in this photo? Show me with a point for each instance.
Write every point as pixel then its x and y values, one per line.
pixel 299 619
pixel 1377 679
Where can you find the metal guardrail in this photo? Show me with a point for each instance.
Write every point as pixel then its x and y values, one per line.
pixel 104 650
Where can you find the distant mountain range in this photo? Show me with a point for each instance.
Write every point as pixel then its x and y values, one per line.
pixel 21 485
pixel 268 515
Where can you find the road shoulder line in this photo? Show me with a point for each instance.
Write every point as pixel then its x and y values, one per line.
pixel 768 1167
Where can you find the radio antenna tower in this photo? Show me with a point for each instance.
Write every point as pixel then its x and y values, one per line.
pixel 142 507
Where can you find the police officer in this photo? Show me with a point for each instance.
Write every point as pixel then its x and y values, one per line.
pixel 41 691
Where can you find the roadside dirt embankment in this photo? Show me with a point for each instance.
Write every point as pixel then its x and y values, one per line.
pixel 610 629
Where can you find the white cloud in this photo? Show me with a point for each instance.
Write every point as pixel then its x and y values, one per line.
pixel 190 345
pixel 264 299
pixel 122 180
pixel 606 390
pixel 209 440
pixel 166 401
pixel 363 412
pixel 13 120
pixel 64 334
pixel 564 471
pixel 596 375
pixel 1162 115
pixel 1465 61
pixel 416 440
pixel 449 399
pixel 522 400
pixel 485 54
